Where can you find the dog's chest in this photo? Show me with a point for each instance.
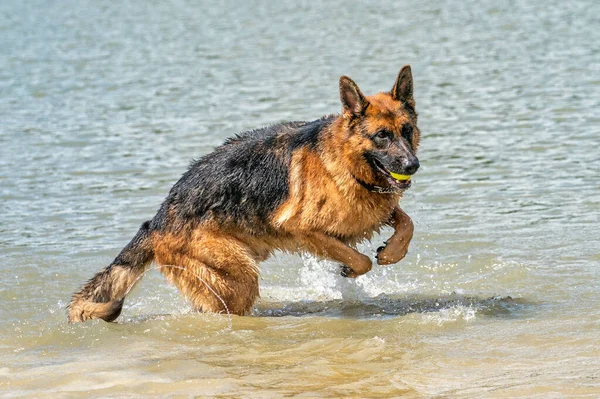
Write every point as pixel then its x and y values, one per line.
pixel 338 206
pixel 352 217
pixel 355 217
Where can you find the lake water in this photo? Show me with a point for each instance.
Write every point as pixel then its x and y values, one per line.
pixel 104 104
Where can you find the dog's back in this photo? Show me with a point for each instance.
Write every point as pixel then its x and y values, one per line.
pixel 241 183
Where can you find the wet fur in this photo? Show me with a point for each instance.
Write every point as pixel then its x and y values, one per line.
pixel 292 186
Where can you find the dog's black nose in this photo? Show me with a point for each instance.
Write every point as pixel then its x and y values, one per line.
pixel 411 166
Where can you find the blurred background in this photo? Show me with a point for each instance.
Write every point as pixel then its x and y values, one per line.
pixel 104 104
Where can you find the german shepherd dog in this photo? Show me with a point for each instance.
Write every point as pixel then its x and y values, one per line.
pixel 319 187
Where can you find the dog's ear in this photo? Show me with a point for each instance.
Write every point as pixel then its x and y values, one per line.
pixel 353 101
pixel 403 88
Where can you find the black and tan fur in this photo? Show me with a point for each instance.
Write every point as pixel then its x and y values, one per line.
pixel 319 187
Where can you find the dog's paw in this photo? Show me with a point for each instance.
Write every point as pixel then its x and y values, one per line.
pixel 346 271
pixel 387 255
pixel 379 251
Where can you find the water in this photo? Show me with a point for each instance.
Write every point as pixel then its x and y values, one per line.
pixel 103 104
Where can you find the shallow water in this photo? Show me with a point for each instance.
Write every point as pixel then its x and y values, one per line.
pixel 104 104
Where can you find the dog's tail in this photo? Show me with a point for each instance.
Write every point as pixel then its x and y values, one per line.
pixel 103 295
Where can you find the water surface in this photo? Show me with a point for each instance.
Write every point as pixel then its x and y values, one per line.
pixel 103 105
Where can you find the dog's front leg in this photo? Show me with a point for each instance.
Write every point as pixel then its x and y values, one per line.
pixel 396 246
pixel 324 246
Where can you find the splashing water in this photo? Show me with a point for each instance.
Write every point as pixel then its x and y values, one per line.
pixel 323 281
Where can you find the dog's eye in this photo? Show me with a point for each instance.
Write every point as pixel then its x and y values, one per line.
pixel 407 131
pixel 383 135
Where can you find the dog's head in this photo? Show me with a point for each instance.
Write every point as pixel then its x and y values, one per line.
pixel 380 132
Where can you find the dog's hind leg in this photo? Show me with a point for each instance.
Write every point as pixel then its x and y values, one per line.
pixel 103 295
pixel 217 273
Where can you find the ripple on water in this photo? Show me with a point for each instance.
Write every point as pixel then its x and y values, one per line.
pixel 104 104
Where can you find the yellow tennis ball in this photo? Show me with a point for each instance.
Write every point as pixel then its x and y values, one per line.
pixel 399 176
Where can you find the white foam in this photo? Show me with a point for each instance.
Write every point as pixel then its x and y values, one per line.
pixel 450 315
